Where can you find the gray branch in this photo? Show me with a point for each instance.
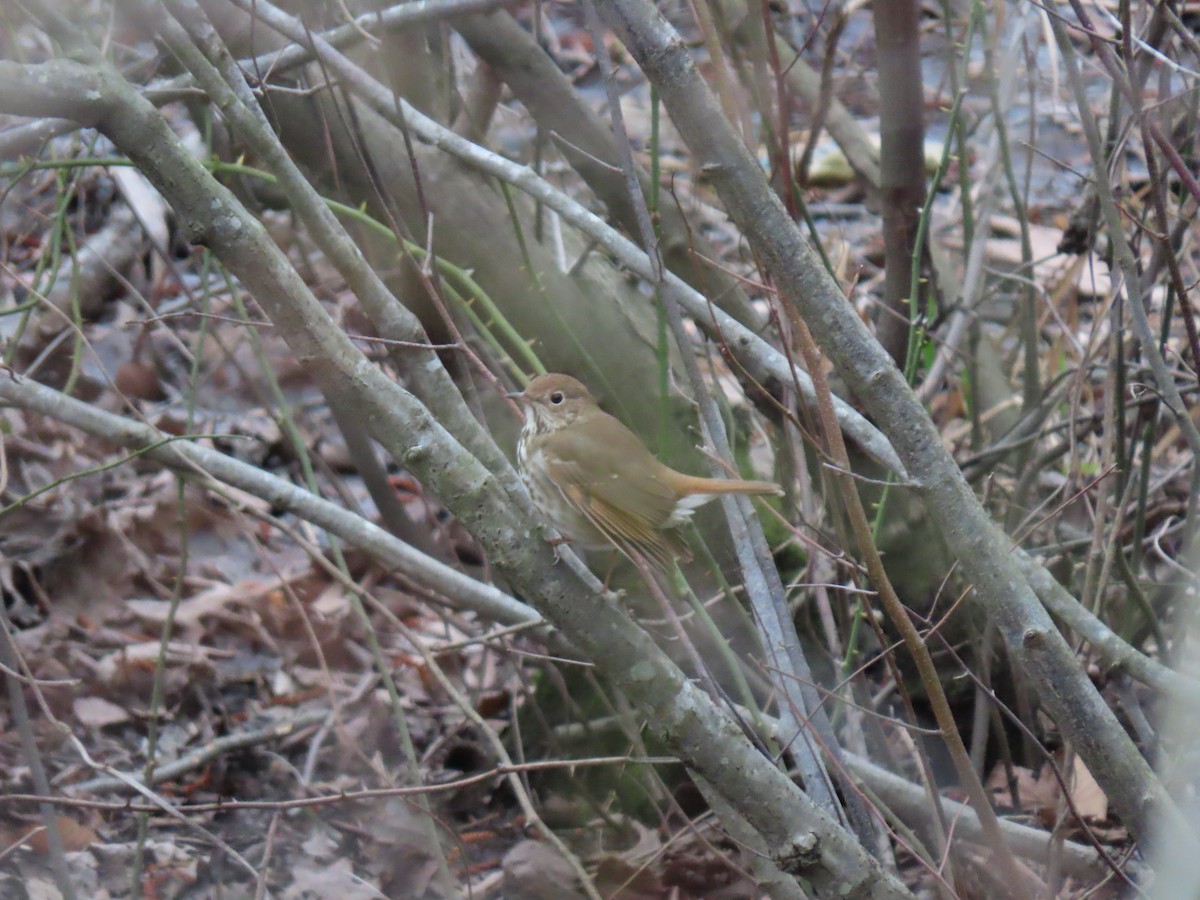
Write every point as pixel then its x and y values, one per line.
pixel 802 838
pixel 983 550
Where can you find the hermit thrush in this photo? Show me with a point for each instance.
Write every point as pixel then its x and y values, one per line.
pixel 596 481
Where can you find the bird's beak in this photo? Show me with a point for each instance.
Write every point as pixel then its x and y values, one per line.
pixel 515 395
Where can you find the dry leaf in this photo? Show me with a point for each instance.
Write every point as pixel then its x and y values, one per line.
pixel 96 712
pixel 75 836
pixel 1037 796
pixel 1089 799
pixel 539 872
pixel 336 879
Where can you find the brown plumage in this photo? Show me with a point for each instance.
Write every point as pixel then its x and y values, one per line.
pixel 596 481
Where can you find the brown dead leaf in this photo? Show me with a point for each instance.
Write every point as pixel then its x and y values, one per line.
pixel 332 603
pixel 133 666
pixel 1089 799
pixel 211 602
pixel 75 837
pixel 139 380
pixel 997 783
pixel 1037 795
pixel 707 865
pixel 619 878
pixel 336 879
pixel 538 871
pixel 400 851
pixel 1040 796
pixel 988 880
pixel 96 712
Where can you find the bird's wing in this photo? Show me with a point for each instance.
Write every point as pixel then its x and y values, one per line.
pixel 611 478
pixel 629 535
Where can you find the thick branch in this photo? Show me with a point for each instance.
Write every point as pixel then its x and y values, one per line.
pixel 801 837
pixel 983 550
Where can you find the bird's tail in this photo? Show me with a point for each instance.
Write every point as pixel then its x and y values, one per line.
pixel 697 491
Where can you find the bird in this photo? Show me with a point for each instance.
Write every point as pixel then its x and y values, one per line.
pixel 597 482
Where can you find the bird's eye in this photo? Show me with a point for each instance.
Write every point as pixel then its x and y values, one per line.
pixel 556 398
